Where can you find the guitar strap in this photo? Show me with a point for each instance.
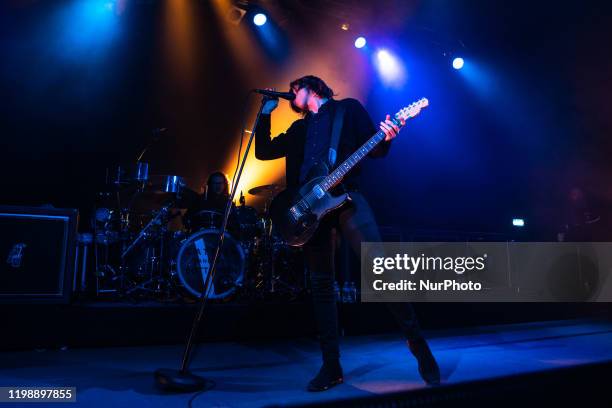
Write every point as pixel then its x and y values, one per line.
pixel 335 136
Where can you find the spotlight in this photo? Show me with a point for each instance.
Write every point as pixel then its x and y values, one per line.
pixel 345 26
pixel 390 68
pixel 260 19
pixel 360 42
pixel 387 63
pixel 458 63
pixel 384 56
pixel 518 222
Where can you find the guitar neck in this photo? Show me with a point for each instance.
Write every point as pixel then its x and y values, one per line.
pixel 338 174
pixel 399 119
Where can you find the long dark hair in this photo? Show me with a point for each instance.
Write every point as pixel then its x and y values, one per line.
pixel 313 83
pixel 219 174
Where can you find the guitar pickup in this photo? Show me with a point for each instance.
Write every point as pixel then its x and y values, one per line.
pixel 318 191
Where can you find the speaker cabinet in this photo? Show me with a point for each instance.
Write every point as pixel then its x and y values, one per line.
pixel 37 254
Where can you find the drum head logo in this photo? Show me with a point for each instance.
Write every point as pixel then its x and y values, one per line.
pixel 203 261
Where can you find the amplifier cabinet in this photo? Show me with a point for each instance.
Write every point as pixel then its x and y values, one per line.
pixel 37 254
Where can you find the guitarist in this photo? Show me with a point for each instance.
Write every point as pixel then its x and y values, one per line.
pixel 305 145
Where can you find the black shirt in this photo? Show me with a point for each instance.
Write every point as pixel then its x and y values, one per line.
pixel 356 130
pixel 318 138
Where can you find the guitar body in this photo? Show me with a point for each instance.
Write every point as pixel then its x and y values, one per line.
pixel 296 213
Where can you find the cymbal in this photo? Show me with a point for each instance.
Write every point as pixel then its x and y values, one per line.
pixel 265 190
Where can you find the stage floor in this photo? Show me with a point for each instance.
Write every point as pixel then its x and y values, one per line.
pixel 253 374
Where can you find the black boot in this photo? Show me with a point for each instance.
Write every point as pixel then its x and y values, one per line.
pixel 428 367
pixel 329 375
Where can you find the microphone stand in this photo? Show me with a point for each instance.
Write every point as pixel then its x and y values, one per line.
pixel 157 133
pixel 182 380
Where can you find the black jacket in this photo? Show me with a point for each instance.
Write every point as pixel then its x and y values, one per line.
pixel 356 130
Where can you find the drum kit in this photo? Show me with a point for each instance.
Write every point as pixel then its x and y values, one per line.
pixel 146 247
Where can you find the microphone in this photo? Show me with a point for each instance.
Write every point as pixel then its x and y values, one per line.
pixel 274 94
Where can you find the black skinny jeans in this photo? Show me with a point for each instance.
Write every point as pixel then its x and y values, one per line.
pixel 356 224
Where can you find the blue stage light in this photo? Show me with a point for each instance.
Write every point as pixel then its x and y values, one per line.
pixel 360 42
pixel 260 19
pixel 458 63
pixel 518 222
pixel 389 66
pixel 86 28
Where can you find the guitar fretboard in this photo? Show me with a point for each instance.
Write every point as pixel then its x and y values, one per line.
pixel 338 174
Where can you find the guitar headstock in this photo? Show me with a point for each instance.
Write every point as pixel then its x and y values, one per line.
pixel 412 110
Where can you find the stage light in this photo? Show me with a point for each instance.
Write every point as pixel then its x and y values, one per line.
pixel 518 222
pixel 388 66
pixel 360 42
pixel 458 63
pixel 345 26
pixel 260 19
pixel 384 57
pixel 84 26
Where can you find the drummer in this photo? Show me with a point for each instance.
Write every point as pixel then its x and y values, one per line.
pixel 207 211
pixel 216 192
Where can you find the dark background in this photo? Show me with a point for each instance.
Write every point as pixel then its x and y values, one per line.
pixel 527 119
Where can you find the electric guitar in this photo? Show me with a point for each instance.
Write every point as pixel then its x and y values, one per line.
pixel 296 212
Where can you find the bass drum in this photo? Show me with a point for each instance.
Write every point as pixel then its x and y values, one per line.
pixel 195 258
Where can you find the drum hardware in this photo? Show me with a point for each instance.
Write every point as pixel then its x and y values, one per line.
pixel 137 174
pixel 151 264
pixel 246 222
pixel 147 230
pixel 173 184
pixel 149 270
pixel 154 264
pixel 278 269
pixel 138 252
pixel 164 184
pixel 129 239
pixel 84 244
